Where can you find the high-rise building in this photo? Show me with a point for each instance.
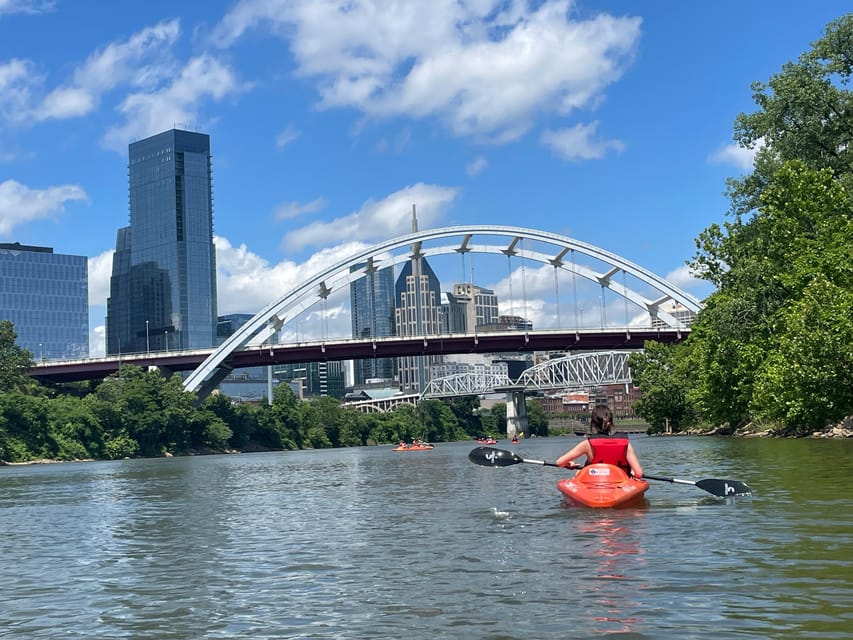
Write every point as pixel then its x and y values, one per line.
pixel 163 285
pixel 468 307
pixel 45 295
pixel 314 379
pixel 372 309
pixel 418 313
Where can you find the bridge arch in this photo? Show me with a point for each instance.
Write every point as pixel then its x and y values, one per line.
pixel 274 315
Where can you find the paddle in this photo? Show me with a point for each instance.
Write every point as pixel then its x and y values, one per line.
pixel 719 488
pixel 491 457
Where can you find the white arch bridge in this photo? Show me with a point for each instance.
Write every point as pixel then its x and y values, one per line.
pixel 560 252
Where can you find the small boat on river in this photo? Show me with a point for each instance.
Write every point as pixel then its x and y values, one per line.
pixel 603 486
pixel 415 446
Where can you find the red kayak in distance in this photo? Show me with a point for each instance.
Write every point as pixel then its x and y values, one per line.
pixel 603 486
pixel 413 447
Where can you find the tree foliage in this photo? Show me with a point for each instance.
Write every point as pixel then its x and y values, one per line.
pixel 770 341
pixel 665 381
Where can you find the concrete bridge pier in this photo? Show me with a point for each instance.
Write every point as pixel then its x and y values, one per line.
pixel 516 413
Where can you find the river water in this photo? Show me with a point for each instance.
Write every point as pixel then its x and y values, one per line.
pixel 370 543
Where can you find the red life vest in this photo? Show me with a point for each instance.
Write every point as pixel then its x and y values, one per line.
pixel 610 450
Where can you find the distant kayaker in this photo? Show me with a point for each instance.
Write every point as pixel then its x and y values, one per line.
pixel 602 446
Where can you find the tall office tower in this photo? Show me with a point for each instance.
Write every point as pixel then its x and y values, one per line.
pixel 372 309
pixel 418 312
pixel 468 307
pixel 45 295
pixel 163 286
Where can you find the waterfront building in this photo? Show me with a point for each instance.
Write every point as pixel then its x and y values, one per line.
pixel 372 309
pixel 314 379
pixel 45 295
pixel 163 285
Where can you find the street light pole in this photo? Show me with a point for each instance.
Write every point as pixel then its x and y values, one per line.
pixel 147 342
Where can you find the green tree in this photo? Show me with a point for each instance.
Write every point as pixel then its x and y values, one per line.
pixel 537 420
pixel 14 361
pixel 789 235
pixel 659 373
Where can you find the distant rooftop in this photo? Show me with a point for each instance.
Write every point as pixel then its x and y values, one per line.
pixel 17 246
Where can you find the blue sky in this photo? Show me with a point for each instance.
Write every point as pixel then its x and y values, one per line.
pixel 605 120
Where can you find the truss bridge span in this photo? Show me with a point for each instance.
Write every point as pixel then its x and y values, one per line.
pixel 569 372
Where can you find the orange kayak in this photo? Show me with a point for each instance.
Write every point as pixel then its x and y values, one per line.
pixel 414 447
pixel 602 486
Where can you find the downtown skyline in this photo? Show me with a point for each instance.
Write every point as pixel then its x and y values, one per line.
pixel 604 121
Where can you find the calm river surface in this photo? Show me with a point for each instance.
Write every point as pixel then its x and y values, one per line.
pixel 369 543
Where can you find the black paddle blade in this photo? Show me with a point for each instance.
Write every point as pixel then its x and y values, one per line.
pixel 490 457
pixel 724 488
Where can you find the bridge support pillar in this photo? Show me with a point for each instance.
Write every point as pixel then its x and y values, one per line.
pixel 516 414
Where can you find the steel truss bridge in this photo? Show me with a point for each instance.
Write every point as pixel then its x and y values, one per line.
pixel 568 372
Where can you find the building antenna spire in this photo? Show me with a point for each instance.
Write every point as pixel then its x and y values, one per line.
pixel 414 219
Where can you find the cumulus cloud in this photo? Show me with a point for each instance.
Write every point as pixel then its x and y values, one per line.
pixel 247 282
pixel 98 341
pixel 736 155
pixel 387 218
pixel 19 80
pixel 580 142
pixel 20 204
pixel 483 67
pixel 140 61
pixel 100 270
pixel 147 113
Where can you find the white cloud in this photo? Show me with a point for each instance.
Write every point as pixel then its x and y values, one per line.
pixel 25 6
pixel 288 135
pixel 579 142
pixel 18 81
pixel 735 155
pixel 476 166
pixel 100 270
pixel 485 68
pixel 20 204
pixel 387 218
pixel 246 282
pixel 98 341
pixel 142 60
pixel 289 210
pixel 178 102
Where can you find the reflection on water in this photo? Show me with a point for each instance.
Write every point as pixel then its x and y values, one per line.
pixel 364 544
pixel 616 552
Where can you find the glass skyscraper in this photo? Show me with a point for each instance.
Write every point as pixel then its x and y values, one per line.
pixel 163 285
pixel 46 297
pixel 372 309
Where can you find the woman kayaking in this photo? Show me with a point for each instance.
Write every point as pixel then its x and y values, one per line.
pixel 602 446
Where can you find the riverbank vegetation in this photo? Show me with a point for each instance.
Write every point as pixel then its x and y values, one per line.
pixel 773 345
pixel 138 413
